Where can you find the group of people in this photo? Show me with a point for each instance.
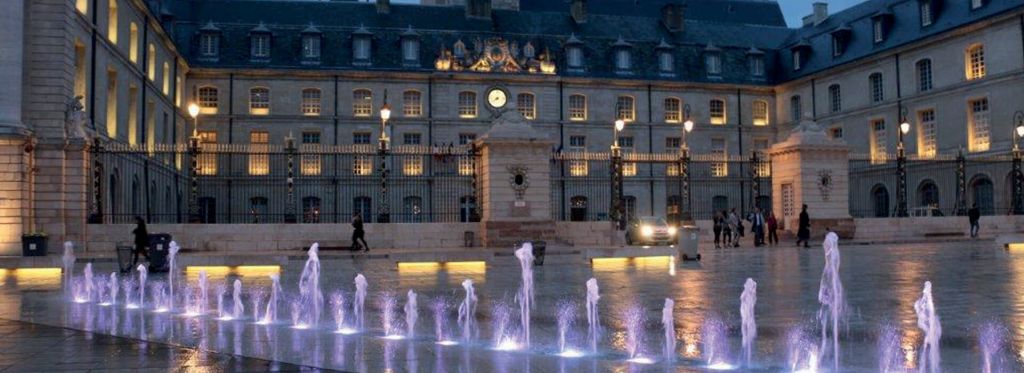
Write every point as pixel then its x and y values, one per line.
pixel 728 228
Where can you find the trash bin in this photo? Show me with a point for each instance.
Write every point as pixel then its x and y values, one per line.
pixel 158 246
pixel 124 258
pixel 688 238
pixel 539 247
pixel 467 239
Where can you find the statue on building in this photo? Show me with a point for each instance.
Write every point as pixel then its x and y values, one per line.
pixel 75 120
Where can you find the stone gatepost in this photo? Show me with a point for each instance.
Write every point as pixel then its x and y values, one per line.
pixel 515 183
pixel 810 168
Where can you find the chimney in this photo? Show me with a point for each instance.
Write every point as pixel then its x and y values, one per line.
pixel 478 9
pixel 672 16
pixel 578 11
pixel 383 6
pixel 820 13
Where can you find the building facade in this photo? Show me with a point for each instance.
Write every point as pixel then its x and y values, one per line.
pixel 319 73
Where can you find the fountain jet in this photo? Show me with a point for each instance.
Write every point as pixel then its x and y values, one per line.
pixel 749 326
pixel 467 311
pixel 593 319
pixel 668 323
pixel 928 321
pixel 525 296
pixel 832 299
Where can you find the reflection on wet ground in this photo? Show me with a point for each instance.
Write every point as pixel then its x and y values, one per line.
pixel 974 283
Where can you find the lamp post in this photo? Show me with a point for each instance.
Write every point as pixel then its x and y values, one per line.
pixel 1018 176
pixel 383 209
pixel 193 151
pixel 686 215
pixel 901 166
pixel 617 214
pixel 290 150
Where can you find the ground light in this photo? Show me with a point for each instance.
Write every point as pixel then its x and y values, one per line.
pixel 428 267
pixel 346 331
pixel 507 345
pixel 641 360
pixel 447 343
pixel 570 353
pixel 721 366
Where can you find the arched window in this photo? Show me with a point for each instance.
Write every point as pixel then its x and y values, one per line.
pixel 259 101
pixel 880 200
pixel 207 99
pixel 673 110
pixel 527 105
pixel 578 208
pixel 311 209
pixel 975 61
pixel 412 209
pixel 363 206
pixel 982 195
pixel 112 21
pixel 362 103
pixel 625 108
pixel 928 194
pixel 311 101
pixel 258 209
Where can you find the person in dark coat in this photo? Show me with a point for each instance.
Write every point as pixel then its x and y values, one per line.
pixel 718 222
pixel 726 230
pixel 141 240
pixel 358 235
pixel 803 234
pixel 773 227
pixel 973 215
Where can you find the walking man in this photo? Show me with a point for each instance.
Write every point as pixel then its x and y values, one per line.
pixel 358 235
pixel 803 233
pixel 973 215
pixel 717 227
pixel 757 226
pixel 141 241
pixel 773 229
pixel 735 227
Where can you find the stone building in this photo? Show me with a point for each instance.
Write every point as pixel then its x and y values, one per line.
pixel 262 71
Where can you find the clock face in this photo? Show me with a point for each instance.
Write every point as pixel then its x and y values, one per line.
pixel 497 98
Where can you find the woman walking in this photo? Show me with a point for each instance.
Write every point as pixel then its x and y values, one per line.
pixel 141 240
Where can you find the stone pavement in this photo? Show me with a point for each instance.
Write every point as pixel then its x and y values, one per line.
pixel 26 347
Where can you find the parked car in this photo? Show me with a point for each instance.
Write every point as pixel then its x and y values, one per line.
pixel 650 230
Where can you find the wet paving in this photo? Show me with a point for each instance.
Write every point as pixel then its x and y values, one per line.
pixel 975 283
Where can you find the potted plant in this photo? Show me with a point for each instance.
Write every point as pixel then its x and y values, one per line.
pixel 34 244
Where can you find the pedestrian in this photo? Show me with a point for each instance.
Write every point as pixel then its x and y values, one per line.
pixel 973 215
pixel 141 241
pixel 757 226
pixel 773 229
pixel 358 235
pixel 803 233
pixel 717 227
pixel 726 230
pixel 736 227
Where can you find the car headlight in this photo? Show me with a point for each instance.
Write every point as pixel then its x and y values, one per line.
pixel 647 231
pixel 671 231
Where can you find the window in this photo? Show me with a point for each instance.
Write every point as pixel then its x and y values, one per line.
pixel 207 99
pixel 466 138
pixel 362 165
pixel 836 132
pixel 797 60
pixel 466 163
pixel 924 75
pixel 578 208
pixel 259 149
pixel 311 101
pixel 206 164
pixel 112 104
pixel 260 46
pixel 151 63
pixel 467 104
pixel 310 159
pixel 166 79
pixel 574 57
pixel 838 46
pixel 673 110
pixel 361 138
pixel 719 153
pixel 412 165
pixel 363 206
pixel 133 113
pixel 577 107
pixel 177 90
pixel 410 50
pixel 133 42
pixel 526 105
pixel 672 143
pixel 879 146
pixel 310 209
pixel 835 98
pixel 209 44
pixel 795 109
pixel 877 92
pixel 412 139
pixel 412 104
pixel 259 101
pixel 311 46
pixel 112 21
pixel 877 30
pixel 625 109
pixel 82 6
pixel 979 125
pixel 975 4
pixel 926 13
pixel 976 62
pixel 716 110
pixel 760 113
pixel 80 76
pixel 928 194
pixel 258 208
pixel 666 62
pixel 626 144
pixel 926 125
pixel 362 103
pixel 623 60
pixel 578 166
pixel 713 64
pixel 361 49
pixel 757 66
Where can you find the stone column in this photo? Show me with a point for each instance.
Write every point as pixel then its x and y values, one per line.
pixel 13 159
pixel 810 168
pixel 515 183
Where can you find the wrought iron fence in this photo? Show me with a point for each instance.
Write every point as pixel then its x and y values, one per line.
pixel 259 183
pixel 582 185
pixel 936 186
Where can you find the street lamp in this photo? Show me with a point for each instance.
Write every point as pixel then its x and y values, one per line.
pixel 385 115
pixel 619 126
pixel 687 128
pixel 1018 176
pixel 684 168
pixel 384 210
pixel 901 166
pixel 616 177
pixel 193 150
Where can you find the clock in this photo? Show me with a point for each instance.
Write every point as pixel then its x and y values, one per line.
pixel 497 98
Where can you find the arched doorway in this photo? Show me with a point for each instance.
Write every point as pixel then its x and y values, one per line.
pixel 982 194
pixel 928 196
pixel 578 208
pixel 880 200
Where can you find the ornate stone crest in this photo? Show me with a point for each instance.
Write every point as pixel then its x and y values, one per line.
pixel 519 180
pixel 825 184
pixel 495 55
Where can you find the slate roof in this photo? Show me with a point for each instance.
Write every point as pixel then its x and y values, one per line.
pixel 734 26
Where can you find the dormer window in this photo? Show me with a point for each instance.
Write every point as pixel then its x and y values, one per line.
pixel 529 51
pixel 666 61
pixel 260 43
pixel 927 12
pixel 574 54
pixel 311 42
pixel 410 48
pixel 712 60
pixel 361 42
pixel 840 37
pixel 976 4
pixel 460 49
pixel 623 56
pixel 800 52
pixel 209 42
pixel 798 57
pixel 880 24
pixel 755 60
